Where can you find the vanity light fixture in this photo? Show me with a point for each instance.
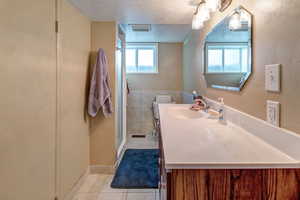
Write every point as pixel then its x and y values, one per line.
pixel 197 23
pixel 213 5
pixel 202 13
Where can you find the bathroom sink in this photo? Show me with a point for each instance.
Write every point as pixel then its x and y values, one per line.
pixel 185 113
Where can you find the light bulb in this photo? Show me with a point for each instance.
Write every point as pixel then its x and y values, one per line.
pixel 213 5
pixel 197 23
pixel 203 12
pixel 235 21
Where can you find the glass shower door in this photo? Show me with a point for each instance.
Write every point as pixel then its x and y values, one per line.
pixel 121 94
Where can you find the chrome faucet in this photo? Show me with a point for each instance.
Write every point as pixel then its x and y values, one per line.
pixel 221 114
pixel 221 110
pixel 206 107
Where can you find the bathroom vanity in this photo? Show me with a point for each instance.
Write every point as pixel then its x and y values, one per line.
pixel 202 158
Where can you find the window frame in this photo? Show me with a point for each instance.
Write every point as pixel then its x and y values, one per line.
pixel 231 44
pixel 144 46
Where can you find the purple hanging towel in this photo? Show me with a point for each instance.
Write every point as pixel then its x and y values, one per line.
pixel 100 92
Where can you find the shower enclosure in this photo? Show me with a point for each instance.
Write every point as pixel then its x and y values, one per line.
pixel 121 91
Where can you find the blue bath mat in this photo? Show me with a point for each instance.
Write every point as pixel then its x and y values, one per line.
pixel 137 170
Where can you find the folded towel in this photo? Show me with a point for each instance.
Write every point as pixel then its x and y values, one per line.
pixel 100 92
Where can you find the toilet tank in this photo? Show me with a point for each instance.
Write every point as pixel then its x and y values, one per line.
pixel 163 99
pixel 160 99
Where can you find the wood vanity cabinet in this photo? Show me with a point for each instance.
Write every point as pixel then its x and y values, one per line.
pixel 228 184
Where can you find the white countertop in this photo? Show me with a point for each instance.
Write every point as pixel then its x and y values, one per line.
pixel 200 142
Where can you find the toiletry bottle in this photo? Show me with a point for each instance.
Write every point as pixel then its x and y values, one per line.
pixel 194 95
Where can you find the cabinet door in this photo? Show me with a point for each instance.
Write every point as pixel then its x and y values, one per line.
pixel 27 99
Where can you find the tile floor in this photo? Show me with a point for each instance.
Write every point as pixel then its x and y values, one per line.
pixel 97 186
pixel 150 142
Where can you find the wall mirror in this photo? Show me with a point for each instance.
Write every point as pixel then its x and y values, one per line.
pixel 228 52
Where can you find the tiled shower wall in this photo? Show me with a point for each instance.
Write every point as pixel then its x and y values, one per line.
pixel 139 109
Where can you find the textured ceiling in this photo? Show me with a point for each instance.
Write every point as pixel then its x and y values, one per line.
pixel 138 11
pixel 170 19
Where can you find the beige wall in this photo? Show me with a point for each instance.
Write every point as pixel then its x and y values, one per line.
pixel 275 40
pixel 102 140
pixel 169 68
pixel 30 82
pixel 144 88
pixel 27 105
pixel 75 41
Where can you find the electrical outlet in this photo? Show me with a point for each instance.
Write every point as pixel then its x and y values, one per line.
pixel 272 78
pixel 273 112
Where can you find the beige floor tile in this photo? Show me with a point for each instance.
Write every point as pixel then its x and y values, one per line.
pixel 112 196
pixel 108 189
pixel 141 196
pixel 86 196
pixel 102 183
pixel 141 190
pixel 88 182
pixel 94 183
pixel 157 195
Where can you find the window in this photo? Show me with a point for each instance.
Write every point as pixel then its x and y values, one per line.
pixel 227 58
pixel 141 58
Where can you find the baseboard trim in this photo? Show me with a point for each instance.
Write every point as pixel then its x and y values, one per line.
pixel 77 185
pixel 102 169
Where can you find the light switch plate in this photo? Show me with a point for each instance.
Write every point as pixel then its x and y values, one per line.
pixel 272 77
pixel 273 113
